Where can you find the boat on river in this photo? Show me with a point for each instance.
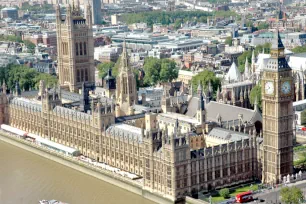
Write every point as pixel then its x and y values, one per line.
pixel 51 202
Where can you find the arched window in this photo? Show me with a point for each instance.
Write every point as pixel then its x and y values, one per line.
pixel 85 51
pixel 81 50
pixel 76 49
pixel 86 73
pixel 82 74
pixel 78 76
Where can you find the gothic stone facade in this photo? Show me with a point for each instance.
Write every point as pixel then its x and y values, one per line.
pixel 75 48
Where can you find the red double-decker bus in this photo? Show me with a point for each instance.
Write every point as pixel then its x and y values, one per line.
pixel 244 197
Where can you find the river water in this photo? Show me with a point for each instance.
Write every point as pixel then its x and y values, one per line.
pixel 26 178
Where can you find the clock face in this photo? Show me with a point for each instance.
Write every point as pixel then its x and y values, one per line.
pixel 286 87
pixel 269 87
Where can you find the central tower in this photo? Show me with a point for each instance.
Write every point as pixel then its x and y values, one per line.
pixel 75 48
pixel 126 93
pixel 277 115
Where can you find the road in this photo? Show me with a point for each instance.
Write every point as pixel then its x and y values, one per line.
pixel 273 196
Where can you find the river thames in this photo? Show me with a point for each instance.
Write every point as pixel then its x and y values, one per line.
pixel 26 178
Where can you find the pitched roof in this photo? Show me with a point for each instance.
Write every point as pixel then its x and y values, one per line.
pixel 230 112
pixel 227 135
pixel 233 74
pixel 125 131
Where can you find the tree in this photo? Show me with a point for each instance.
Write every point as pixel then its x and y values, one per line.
pixel 50 80
pixel 299 49
pixel 262 26
pixel 104 67
pixel 225 193
pixel 159 70
pixel 177 23
pixel 204 78
pixel 256 95
pixel 24 75
pixel 291 195
pixel 168 71
pixel 248 54
pixel 30 45
pixel 303 117
pixel 28 78
pixel 229 41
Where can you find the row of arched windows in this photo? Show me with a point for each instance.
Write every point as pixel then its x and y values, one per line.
pixel 82 75
pixel 65 48
pixel 80 48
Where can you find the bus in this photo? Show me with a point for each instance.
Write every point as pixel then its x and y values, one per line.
pixel 244 197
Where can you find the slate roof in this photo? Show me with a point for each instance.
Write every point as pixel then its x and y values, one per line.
pixel 180 117
pixel 227 135
pixel 230 112
pixel 192 107
pixel 72 113
pixel 125 131
pixel 34 105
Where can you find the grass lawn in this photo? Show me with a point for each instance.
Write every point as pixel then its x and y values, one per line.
pixel 216 199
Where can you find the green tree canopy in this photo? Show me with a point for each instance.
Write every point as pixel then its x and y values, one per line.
pixel 291 195
pixel 248 55
pixel 256 95
pixel 229 41
pixel 175 17
pixel 11 38
pixel 262 26
pixel 225 193
pixel 159 70
pixel 303 117
pixel 28 78
pixel 30 45
pixel 299 49
pixel 204 78
pixel 104 67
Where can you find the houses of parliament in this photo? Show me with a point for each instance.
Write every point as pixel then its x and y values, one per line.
pixel 177 154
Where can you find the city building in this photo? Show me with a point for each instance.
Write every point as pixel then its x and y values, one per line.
pixel 9 13
pixel 96 11
pixel 75 48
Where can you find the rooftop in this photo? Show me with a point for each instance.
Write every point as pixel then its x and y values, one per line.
pixel 228 135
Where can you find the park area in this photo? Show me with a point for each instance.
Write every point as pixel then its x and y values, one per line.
pixel 216 198
pixel 299 157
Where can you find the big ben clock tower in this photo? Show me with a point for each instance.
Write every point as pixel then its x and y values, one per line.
pixel 277 115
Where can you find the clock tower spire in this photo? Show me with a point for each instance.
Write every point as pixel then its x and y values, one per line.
pixel 277 115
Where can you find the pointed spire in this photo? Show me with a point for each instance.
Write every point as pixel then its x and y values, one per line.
pixel 233 97
pixel 17 89
pixel 4 88
pixel 59 92
pixel 218 94
pixel 124 57
pixel 199 90
pixel 246 69
pixel 277 41
pixel 253 56
pixel 210 89
pixel 256 104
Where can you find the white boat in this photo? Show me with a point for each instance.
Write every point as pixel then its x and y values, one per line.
pixel 51 202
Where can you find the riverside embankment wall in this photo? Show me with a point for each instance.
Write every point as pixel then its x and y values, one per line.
pixel 101 174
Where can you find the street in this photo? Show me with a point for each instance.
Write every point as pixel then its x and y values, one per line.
pixel 273 196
